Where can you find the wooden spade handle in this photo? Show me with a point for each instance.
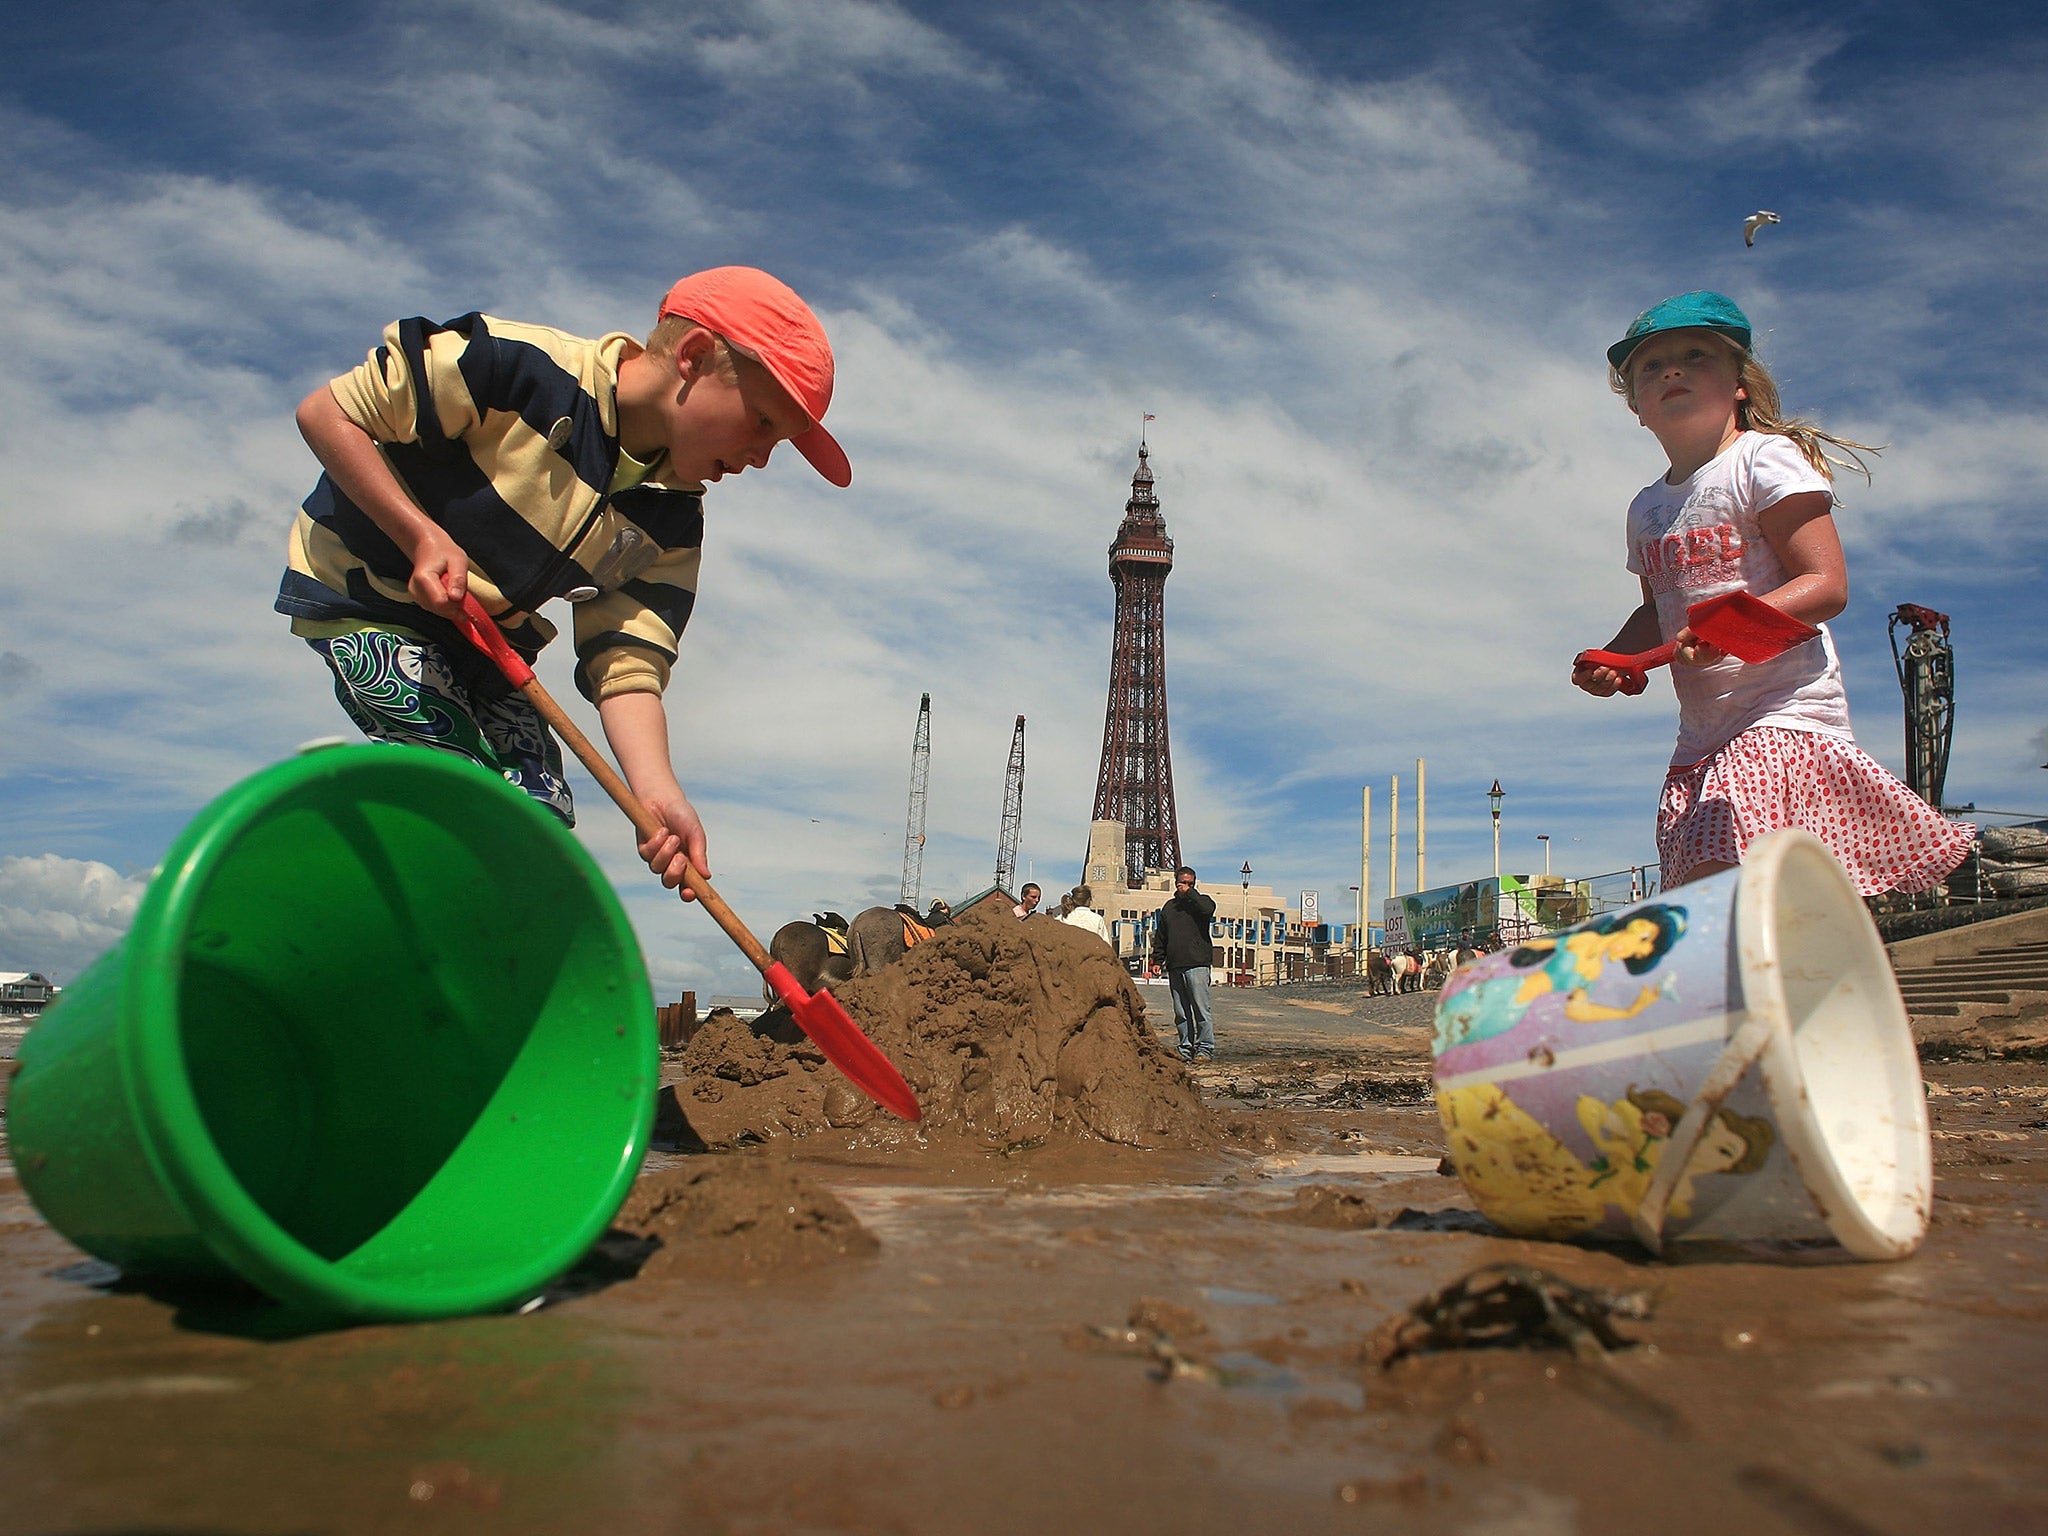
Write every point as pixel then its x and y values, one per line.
pixel 483 631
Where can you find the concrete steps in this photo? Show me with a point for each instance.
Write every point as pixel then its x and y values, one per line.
pixel 1982 984
pixel 2012 974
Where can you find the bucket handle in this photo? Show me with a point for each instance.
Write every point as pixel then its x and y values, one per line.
pixel 1736 1058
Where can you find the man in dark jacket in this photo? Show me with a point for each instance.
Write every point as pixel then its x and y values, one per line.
pixel 1180 944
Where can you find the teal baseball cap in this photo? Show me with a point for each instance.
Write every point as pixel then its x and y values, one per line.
pixel 1701 310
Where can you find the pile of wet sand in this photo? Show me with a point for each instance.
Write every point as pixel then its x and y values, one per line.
pixel 721 1214
pixel 1010 1033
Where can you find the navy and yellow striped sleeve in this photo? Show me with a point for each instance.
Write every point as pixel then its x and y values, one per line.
pixel 626 639
pixel 413 388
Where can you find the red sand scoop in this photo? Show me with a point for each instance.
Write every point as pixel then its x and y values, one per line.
pixel 820 1015
pixel 1745 626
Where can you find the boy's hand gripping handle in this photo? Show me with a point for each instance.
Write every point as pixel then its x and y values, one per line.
pixel 484 633
pixel 819 1014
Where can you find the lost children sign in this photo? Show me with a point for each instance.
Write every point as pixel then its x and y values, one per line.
pixel 1507 910
pixel 1442 917
pixel 1438 918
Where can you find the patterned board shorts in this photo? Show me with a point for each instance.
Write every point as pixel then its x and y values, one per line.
pixel 399 688
pixel 1887 837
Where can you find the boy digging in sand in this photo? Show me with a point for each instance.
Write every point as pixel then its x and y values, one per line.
pixel 523 464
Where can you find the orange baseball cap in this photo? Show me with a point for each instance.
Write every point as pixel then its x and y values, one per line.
pixel 762 317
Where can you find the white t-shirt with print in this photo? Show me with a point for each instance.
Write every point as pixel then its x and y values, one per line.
pixel 1703 537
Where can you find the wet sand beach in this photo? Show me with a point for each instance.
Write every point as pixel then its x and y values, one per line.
pixel 1078 1335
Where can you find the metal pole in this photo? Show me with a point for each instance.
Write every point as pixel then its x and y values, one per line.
pixel 1244 914
pixel 1365 872
pixel 1493 798
pixel 1421 876
pixel 1394 837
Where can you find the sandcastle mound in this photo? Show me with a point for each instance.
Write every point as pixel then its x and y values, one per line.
pixel 1010 1033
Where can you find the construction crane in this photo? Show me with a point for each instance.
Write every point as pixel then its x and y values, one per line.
pixel 1013 811
pixel 920 771
pixel 1927 677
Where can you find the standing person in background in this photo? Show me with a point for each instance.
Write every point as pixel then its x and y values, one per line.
pixel 1027 900
pixel 1079 914
pixel 1180 945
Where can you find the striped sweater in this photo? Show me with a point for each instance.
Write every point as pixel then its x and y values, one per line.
pixel 507 436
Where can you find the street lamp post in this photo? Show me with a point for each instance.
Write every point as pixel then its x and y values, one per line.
pixel 1244 916
pixel 1358 938
pixel 1544 839
pixel 1494 795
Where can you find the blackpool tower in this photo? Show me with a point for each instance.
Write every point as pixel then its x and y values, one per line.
pixel 1135 783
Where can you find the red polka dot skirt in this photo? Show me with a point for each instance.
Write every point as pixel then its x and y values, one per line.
pixel 1885 836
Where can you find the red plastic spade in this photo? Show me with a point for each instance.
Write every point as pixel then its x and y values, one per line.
pixel 1743 625
pixel 820 1015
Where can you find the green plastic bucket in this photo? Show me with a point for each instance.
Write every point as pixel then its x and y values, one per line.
pixel 380 1042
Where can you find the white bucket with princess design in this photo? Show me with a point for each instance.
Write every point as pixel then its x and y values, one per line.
pixel 1728 1062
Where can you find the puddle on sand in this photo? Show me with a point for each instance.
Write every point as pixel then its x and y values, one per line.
pixel 893 1210
pixel 1284 1165
pixel 896 1210
pixel 1225 1296
pixel 1243 1371
pixel 129 1386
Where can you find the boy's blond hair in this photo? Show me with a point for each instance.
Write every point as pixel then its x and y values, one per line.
pixel 668 334
pixel 1761 412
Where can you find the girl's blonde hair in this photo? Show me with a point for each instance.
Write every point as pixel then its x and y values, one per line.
pixel 668 334
pixel 1761 412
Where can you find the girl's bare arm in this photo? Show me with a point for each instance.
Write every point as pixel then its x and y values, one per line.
pixel 1801 531
pixel 1640 631
pixel 1802 534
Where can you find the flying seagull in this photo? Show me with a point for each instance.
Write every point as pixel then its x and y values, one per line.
pixel 1755 222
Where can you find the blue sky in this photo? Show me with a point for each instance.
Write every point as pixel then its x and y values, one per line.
pixel 1360 262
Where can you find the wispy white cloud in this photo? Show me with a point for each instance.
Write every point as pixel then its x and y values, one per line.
pixel 798 41
pixel 1772 96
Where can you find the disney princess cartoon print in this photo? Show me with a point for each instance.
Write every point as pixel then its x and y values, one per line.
pixel 1566 965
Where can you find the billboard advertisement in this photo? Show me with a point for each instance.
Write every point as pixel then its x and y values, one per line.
pixel 1442 916
pixel 1507 910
